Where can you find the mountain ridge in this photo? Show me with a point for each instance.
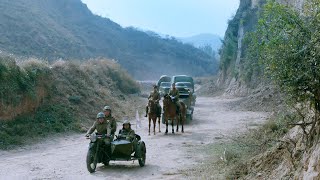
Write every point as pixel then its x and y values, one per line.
pixel 67 29
pixel 203 39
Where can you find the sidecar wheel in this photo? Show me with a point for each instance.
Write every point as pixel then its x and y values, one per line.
pixel 91 163
pixel 142 160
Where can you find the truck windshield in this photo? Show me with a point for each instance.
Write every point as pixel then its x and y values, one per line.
pixel 183 79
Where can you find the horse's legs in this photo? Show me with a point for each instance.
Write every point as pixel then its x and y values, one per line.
pixel 154 125
pixel 159 123
pixel 182 122
pixel 172 125
pixel 149 123
pixel 166 119
pixel 177 120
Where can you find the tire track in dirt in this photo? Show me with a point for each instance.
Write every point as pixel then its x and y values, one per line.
pixel 167 155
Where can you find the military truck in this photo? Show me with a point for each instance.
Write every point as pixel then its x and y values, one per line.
pixel 188 81
pixel 164 88
pixel 183 78
pixel 163 78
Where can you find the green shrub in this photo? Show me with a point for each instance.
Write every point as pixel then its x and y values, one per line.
pixel 286 42
pixel 17 81
pixel 75 99
pixel 48 119
pixel 63 87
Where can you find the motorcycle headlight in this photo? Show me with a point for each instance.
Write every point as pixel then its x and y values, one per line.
pixel 93 138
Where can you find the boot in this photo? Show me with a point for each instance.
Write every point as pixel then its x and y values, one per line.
pixel 147 108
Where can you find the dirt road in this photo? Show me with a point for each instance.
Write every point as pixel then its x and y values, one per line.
pixel 167 155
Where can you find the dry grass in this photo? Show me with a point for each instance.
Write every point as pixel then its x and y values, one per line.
pixel 241 155
pixel 69 94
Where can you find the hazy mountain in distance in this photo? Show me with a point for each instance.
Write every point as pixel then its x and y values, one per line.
pixel 204 39
pixel 67 29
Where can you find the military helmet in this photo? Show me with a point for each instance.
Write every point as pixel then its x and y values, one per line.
pixel 100 115
pixel 126 122
pixel 107 108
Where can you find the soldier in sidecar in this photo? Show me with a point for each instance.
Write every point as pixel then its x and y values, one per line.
pixel 126 147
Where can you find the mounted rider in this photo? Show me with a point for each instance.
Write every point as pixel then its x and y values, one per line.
pixel 155 96
pixel 174 94
pixel 110 119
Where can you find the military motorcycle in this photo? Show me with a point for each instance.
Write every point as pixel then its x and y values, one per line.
pixel 119 149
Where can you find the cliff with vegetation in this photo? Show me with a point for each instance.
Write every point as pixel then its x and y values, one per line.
pixel 278 51
pixel 238 73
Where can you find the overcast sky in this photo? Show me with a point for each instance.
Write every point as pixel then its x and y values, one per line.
pixel 180 18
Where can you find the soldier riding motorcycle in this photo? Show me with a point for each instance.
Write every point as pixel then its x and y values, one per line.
pixel 128 146
pixel 99 147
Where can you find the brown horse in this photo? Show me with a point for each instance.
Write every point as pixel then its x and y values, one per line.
pixel 152 114
pixel 170 112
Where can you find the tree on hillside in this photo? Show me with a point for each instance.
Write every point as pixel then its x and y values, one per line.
pixel 287 43
pixel 208 50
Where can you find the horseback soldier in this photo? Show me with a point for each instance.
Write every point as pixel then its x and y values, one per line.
pixel 174 94
pixel 155 96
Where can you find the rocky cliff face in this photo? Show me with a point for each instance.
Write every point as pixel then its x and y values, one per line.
pixel 232 71
pixel 233 49
pixel 291 159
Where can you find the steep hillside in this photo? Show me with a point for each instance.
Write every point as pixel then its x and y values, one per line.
pixel 281 49
pixel 53 29
pixel 38 99
pixel 237 73
pixel 232 75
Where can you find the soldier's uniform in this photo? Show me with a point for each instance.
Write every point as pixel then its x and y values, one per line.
pixel 175 93
pixel 101 127
pixel 111 120
pixel 113 124
pixel 155 96
pixel 128 134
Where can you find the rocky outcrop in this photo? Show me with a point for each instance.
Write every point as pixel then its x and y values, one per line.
pixel 245 20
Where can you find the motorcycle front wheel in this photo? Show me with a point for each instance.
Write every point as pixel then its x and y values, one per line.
pixel 91 161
